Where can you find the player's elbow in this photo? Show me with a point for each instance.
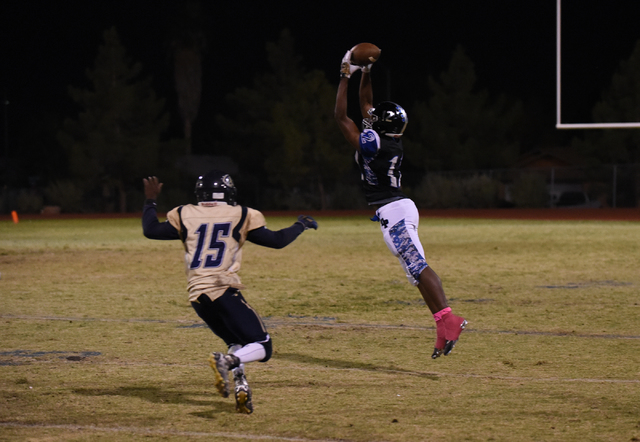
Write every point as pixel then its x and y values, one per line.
pixel 338 115
pixel 343 124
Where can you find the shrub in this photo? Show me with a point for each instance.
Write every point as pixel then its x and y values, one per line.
pixel 295 199
pixel 481 191
pixel 348 197
pixel 66 194
pixel 442 192
pixel 530 190
pixel 437 192
pixel 28 202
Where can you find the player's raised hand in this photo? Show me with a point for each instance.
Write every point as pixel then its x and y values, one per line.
pixel 346 68
pixel 152 187
pixel 308 222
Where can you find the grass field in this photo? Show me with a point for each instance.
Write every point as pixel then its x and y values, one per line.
pixel 98 341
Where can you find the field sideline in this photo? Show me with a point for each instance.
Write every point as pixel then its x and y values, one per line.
pixel 602 214
pixel 99 343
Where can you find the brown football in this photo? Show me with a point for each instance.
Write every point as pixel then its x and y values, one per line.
pixel 364 54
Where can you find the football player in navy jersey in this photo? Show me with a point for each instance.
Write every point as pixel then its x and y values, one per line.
pixel 379 156
pixel 213 232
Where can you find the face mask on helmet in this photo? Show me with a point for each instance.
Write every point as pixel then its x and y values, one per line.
pixel 387 118
pixel 216 186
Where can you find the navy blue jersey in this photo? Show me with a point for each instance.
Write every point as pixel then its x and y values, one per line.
pixel 380 160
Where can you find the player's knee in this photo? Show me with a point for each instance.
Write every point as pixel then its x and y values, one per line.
pixel 413 281
pixel 414 269
pixel 268 349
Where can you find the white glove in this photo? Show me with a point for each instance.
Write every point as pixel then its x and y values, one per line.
pixel 367 68
pixel 346 68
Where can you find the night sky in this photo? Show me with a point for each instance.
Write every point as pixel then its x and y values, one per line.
pixel 47 46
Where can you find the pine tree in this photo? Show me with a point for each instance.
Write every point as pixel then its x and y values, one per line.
pixel 619 103
pixel 284 129
pixel 188 46
pixel 459 127
pixel 115 139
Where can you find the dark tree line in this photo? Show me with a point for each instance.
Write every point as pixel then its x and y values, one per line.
pixel 279 134
pixel 117 136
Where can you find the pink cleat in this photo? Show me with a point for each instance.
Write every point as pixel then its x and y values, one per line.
pixel 441 341
pixel 453 326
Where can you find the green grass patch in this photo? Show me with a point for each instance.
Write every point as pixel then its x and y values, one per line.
pixel 100 343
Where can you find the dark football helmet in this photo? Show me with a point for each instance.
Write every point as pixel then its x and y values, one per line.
pixel 216 185
pixel 388 118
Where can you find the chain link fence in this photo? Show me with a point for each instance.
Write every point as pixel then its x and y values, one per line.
pixel 602 186
pixel 598 186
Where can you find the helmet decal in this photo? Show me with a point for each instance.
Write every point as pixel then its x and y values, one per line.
pixel 388 118
pixel 227 180
pixel 216 185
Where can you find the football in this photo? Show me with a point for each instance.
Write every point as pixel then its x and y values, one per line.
pixel 364 54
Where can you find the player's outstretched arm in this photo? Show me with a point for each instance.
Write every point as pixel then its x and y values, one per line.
pixel 366 92
pixel 151 227
pixel 152 187
pixel 346 124
pixel 308 222
pixel 283 237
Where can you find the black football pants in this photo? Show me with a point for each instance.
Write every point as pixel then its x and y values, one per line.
pixel 231 318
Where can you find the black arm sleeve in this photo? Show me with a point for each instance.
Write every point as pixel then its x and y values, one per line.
pixel 275 240
pixel 154 229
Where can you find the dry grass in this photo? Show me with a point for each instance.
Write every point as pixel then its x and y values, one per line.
pixel 99 342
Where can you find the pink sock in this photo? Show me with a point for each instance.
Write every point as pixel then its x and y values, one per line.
pixel 438 315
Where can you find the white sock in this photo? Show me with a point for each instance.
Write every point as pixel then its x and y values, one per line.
pixel 251 353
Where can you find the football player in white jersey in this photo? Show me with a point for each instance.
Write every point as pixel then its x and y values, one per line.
pixel 213 232
pixel 379 154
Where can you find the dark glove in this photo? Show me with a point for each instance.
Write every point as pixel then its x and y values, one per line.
pixel 308 222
